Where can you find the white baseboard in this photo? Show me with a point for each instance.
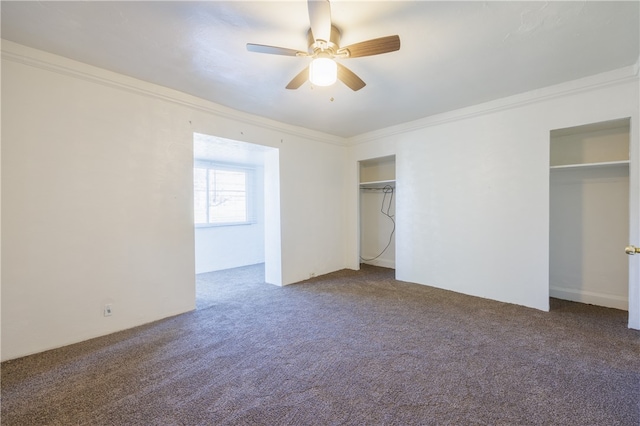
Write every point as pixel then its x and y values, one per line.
pixel 385 263
pixel 592 298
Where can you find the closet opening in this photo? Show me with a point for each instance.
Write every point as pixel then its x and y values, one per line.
pixel 589 214
pixel 377 209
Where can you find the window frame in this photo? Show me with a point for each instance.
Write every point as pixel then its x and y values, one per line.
pixel 249 190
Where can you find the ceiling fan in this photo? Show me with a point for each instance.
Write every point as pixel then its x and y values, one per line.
pixel 324 47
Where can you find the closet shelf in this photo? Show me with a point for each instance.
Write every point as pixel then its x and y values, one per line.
pixel 591 165
pixel 378 183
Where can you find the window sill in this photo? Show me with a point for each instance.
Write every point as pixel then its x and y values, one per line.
pixel 219 225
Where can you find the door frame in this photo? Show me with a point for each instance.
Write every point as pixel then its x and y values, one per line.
pixel 634 222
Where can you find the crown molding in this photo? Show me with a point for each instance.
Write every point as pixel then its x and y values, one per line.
pixel 597 81
pixel 47 61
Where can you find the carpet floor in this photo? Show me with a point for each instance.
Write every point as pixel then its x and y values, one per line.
pixel 347 348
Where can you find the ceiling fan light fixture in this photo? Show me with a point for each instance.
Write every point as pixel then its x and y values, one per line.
pixel 323 72
pixel 323 40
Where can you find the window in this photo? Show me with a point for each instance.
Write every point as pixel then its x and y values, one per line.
pixel 221 194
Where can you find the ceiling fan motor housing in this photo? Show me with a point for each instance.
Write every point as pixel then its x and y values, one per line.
pixel 318 46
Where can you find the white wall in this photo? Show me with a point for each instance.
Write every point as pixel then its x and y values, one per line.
pixel 473 205
pixel 273 226
pixel 97 173
pixel 312 213
pixel 226 247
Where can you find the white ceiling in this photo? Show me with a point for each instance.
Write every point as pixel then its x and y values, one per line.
pixel 453 54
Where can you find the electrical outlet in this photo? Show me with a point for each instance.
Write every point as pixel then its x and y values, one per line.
pixel 108 310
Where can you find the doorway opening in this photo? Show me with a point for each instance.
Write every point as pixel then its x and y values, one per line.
pixel 236 216
pixel 589 214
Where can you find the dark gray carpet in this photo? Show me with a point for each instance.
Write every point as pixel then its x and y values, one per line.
pixel 348 348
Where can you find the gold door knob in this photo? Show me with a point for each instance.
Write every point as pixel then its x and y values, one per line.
pixel 630 250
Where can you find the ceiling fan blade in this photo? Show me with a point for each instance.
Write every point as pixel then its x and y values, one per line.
pixel 347 76
pixel 299 79
pixel 274 50
pixel 371 47
pixel 320 19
